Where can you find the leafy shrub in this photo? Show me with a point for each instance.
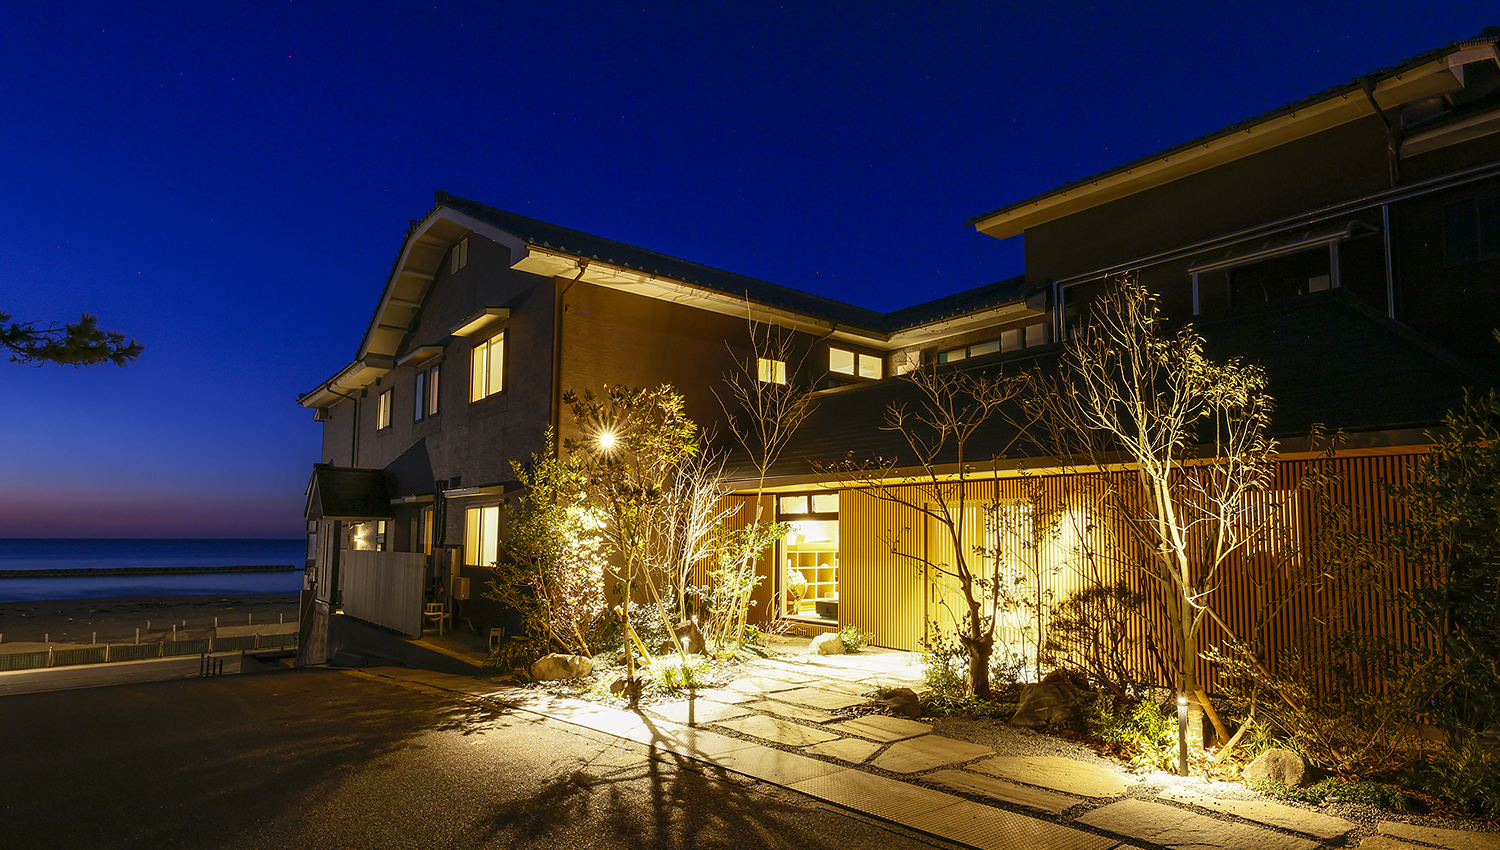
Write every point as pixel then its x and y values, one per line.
pixel 1139 730
pixel 672 677
pixel 1333 790
pixel 945 666
pixel 854 638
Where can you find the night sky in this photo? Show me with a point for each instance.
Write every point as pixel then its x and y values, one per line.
pixel 229 182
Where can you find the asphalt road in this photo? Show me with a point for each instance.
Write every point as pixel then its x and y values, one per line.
pixel 328 759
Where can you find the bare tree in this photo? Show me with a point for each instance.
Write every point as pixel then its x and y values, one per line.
pixel 769 398
pixel 1187 432
pixel 937 481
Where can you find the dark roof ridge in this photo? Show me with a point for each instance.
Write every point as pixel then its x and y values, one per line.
pixel 1357 84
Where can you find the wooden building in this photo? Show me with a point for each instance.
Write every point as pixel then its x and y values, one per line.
pixel 1348 241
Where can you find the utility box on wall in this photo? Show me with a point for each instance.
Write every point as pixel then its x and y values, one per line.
pixel 461 588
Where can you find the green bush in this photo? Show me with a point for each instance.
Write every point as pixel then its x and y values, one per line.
pixel 945 667
pixel 1335 790
pixel 854 638
pixel 1139 730
pixel 676 676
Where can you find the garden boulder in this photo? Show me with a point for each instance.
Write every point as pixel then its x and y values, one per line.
pixel 827 643
pixel 559 666
pixel 1055 697
pixel 690 637
pixel 902 701
pixel 1278 765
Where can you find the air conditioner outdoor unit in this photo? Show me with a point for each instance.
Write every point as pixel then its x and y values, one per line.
pixel 461 588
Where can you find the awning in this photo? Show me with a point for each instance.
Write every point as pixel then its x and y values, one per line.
pixel 345 493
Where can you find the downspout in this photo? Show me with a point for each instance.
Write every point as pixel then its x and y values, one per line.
pixel 558 308
pixel 1392 132
pixel 353 429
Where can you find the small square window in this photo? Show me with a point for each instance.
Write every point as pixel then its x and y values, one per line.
pixel 871 366
pixel 840 360
pixel 825 503
pixel 953 356
pixel 793 504
pixel 1012 340
pixel 770 371
pixel 1036 335
pixel 383 410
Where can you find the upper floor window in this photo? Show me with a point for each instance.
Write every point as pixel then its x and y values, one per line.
pixel 1471 230
pixel 487 372
pixel 460 255
pixel 482 536
pixel 842 361
pixel 1013 339
pixel 770 371
pixel 425 401
pixel 383 410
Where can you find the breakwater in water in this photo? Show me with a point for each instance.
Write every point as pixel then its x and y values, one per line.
pixel 92 572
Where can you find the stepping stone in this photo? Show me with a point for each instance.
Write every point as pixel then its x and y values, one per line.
pixel 724 695
pixel 1170 826
pixel 881 728
pixel 1385 842
pixel 1270 814
pixel 697 711
pixel 1059 774
pixel 846 749
pixel 779 731
pixel 792 712
pixel 1005 792
pixel 819 698
pixel 1454 839
pixel 927 752
pixel 760 685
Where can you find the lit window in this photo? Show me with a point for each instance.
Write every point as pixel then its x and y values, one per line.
pixel 383 410
pixel 794 504
pixel 840 360
pixel 953 356
pixel 825 503
pixel 482 536
pixel 425 402
pixel 846 362
pixel 771 371
pixel 487 376
pixel 460 255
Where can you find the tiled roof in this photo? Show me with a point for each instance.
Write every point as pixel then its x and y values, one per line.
pixel 1355 85
pixel 1328 358
pixel 579 244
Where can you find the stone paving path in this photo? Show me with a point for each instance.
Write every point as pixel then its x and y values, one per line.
pixel 789 703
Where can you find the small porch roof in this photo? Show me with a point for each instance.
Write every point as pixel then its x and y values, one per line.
pixel 346 493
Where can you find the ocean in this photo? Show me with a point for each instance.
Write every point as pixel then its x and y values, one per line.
pixel 53 553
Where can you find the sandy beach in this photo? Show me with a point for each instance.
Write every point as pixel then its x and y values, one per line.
pixel 77 620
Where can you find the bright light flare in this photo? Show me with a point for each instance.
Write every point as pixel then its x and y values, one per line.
pixel 607 440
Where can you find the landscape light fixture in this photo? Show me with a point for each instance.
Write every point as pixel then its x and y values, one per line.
pixel 606 440
pixel 1182 723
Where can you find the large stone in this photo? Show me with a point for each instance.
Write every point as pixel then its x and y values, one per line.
pixel 1059 774
pixel 1454 839
pixel 1277 765
pixel 929 751
pixel 689 637
pixel 1271 814
pixel 827 643
pixel 1169 826
pixel 901 701
pixel 846 749
pixel 819 698
pixel 793 712
pixel 1054 698
pixel 559 666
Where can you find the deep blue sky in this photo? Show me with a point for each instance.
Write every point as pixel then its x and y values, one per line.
pixel 228 182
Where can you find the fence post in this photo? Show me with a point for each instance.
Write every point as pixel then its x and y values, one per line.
pixel 257 642
pixel 210 644
pixel 50 657
pixel 161 649
pixel 106 653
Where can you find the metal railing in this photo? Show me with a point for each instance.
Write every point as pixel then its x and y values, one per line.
pixel 71 656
